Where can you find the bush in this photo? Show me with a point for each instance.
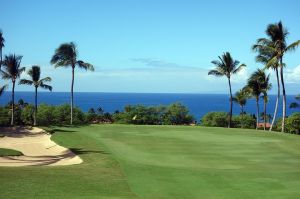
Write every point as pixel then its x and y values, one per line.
pixel 244 121
pixel 27 115
pixel 215 119
pixel 4 116
pixel 174 114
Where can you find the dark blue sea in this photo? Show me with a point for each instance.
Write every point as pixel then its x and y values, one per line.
pixel 198 104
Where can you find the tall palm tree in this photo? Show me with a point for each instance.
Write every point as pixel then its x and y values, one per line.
pixel 266 87
pixel 256 85
pixel 12 71
pixel 66 55
pixel 226 66
pixel 2 40
pixel 36 81
pixel 277 34
pixel 264 56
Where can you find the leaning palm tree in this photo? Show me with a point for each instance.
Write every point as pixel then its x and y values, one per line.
pixel 2 40
pixel 12 71
pixel 66 55
pixel 226 66
pixel 264 56
pixel 256 86
pixel 277 34
pixel 36 81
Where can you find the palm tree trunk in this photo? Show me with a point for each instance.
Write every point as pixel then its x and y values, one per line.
pixel 283 95
pixel 277 100
pixel 257 113
pixel 1 58
pixel 13 104
pixel 230 112
pixel 35 110
pixel 242 114
pixel 265 114
pixel 72 86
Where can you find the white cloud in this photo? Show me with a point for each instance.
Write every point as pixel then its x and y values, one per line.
pixel 292 75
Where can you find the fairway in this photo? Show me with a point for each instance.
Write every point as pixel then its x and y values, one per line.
pixel 164 162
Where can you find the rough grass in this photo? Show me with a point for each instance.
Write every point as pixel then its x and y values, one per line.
pixel 164 162
pixel 9 152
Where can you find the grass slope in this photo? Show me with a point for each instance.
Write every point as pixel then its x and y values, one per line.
pixel 9 152
pixel 165 162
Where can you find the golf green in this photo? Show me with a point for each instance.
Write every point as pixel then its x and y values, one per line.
pixel 164 162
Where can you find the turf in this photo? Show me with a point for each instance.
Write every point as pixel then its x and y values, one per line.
pixel 164 162
pixel 9 152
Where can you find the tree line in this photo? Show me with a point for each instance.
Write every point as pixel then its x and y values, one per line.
pixel 270 52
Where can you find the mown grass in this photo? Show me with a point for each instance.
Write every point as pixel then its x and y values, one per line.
pixel 164 162
pixel 9 152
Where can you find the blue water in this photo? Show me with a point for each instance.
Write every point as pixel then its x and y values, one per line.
pixel 198 104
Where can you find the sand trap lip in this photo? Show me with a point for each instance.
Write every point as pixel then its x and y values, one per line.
pixel 37 147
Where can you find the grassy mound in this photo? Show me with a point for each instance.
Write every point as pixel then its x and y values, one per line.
pixel 9 152
pixel 170 162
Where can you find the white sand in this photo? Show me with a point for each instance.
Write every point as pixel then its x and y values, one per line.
pixel 37 147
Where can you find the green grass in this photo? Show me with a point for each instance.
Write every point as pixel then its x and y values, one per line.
pixel 9 152
pixel 164 162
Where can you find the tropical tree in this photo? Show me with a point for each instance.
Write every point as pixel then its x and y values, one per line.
pixel 37 82
pixel 226 66
pixel 276 43
pixel 264 56
pixel 241 98
pixel 12 71
pixel 66 55
pixel 295 104
pixel 256 85
pixel 2 40
pixel 266 87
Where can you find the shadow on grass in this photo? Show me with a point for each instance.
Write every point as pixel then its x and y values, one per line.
pixel 79 151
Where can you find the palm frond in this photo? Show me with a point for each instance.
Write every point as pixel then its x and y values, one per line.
pixel 45 86
pixel 215 73
pixel 85 65
pixel 46 79
pixel 292 46
pixel 239 68
pixel 26 82
pixel 2 89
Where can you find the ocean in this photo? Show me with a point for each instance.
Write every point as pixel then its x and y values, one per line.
pixel 198 104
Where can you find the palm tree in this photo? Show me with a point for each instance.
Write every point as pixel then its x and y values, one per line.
pixel 295 104
pixel 277 35
pixel 241 98
pixel 226 66
pixel 2 88
pixel 66 55
pixel 267 87
pixel 264 56
pixel 256 85
pixel 36 81
pixel 2 40
pixel 12 71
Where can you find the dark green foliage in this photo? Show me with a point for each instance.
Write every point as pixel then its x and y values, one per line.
pixel 4 116
pixel 27 115
pixel 219 119
pixel 173 114
pixel 244 121
pixel 292 124
pixel 215 119
pixel 58 115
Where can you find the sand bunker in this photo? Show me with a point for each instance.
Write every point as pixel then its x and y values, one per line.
pixel 37 147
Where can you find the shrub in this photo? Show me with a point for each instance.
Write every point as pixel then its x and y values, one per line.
pixel 27 115
pixel 293 123
pixel 177 114
pixel 245 121
pixel 215 119
pixel 4 116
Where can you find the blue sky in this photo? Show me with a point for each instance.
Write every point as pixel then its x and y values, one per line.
pixel 146 46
